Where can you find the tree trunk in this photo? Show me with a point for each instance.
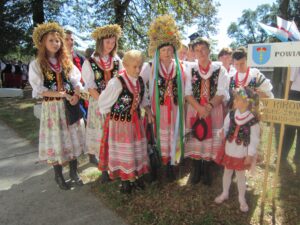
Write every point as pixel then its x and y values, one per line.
pixel 38 16
pixel 283 9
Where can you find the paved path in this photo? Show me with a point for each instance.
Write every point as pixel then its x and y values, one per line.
pixel 29 195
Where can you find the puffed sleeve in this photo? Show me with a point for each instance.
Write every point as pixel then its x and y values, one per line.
pixel 223 84
pixel 188 78
pixel 36 80
pixel 110 95
pixel 146 98
pixel 75 77
pixel 264 83
pixel 120 63
pixel 254 139
pixel 88 75
pixel 226 124
pixel 146 72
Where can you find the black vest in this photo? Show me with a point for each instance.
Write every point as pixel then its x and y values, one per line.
pixel 121 109
pixel 99 73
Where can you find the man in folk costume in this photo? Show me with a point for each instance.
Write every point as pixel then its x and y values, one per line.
pixel 103 65
pixel 206 89
pixel 78 62
pixel 165 77
pixel 54 78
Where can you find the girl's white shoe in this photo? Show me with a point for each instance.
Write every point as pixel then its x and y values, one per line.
pixel 221 198
pixel 244 207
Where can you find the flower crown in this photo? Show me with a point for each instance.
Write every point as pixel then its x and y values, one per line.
pixel 113 30
pixel 163 30
pixel 42 29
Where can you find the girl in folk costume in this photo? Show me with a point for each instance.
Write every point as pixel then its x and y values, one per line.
pixel 54 78
pixel 96 72
pixel 166 88
pixel 248 77
pixel 206 89
pixel 241 127
pixel 122 98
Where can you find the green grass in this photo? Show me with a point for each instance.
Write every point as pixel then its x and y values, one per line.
pixel 17 113
pixel 179 203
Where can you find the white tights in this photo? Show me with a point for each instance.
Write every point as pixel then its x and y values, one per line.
pixel 241 183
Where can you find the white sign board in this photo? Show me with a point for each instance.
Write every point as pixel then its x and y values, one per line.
pixel 282 54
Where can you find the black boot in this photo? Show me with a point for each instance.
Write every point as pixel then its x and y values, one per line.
pixel 104 177
pixel 195 176
pixel 207 176
pixel 140 183
pixel 170 173
pixel 93 159
pixel 126 187
pixel 74 173
pixel 59 178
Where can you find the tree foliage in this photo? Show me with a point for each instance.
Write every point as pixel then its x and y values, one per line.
pixel 246 30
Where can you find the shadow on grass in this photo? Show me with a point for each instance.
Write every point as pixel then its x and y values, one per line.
pixel 178 202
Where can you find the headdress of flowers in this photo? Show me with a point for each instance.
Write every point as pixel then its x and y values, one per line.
pixel 113 30
pixel 163 30
pixel 43 29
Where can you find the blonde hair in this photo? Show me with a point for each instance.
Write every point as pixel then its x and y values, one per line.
pixel 61 55
pixel 132 55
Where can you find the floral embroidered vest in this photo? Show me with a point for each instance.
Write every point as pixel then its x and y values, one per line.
pixel 99 73
pixel 121 109
pixel 243 136
pixel 196 83
pixel 50 82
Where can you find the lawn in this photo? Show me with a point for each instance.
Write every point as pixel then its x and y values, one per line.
pixel 179 202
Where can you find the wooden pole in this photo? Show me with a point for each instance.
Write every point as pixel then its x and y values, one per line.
pixel 286 93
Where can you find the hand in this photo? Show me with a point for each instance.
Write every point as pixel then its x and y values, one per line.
pixel 222 134
pixel 150 117
pixel 202 113
pixel 73 100
pixel 248 161
pixel 208 108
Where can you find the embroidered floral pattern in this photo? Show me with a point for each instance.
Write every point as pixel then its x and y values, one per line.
pixel 121 109
pixel 99 73
pixel 196 83
pixel 162 86
pixel 243 136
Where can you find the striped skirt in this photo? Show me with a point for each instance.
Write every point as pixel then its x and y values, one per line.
pixel 208 148
pixel 127 157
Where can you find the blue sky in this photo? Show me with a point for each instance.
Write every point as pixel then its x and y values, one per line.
pixel 230 11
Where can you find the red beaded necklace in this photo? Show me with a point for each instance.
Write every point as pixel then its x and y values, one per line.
pixel 205 70
pixel 105 65
pixel 55 67
pixel 166 75
pixel 242 82
pixel 242 118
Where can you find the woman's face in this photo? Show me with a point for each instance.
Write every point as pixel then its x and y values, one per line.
pixel 240 103
pixel 201 52
pixel 166 53
pixel 240 65
pixel 52 43
pixel 226 60
pixel 108 45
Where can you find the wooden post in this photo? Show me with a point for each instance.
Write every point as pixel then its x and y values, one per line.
pixel 286 94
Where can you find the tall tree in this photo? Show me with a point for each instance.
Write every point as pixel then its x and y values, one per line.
pixel 246 30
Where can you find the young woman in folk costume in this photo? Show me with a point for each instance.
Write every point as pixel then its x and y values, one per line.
pixel 206 89
pixel 248 77
pixel 123 98
pixel 103 65
pixel 242 132
pixel 54 78
pixel 165 77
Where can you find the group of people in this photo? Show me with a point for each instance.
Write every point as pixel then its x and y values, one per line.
pixel 14 74
pixel 203 110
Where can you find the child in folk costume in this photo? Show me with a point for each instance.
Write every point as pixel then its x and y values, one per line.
pixel 123 98
pixel 165 77
pixel 96 72
pixel 206 89
pixel 54 78
pixel 248 77
pixel 242 131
